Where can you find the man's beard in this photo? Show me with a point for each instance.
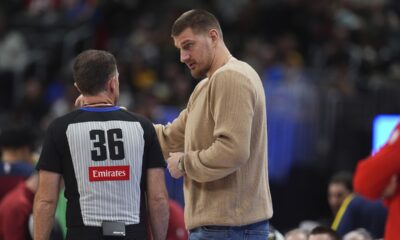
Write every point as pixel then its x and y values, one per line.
pixel 200 74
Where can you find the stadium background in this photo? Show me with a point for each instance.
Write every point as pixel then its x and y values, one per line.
pixel 328 67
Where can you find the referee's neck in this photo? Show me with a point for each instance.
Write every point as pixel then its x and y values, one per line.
pixel 102 98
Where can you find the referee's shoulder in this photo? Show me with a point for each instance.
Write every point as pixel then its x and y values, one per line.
pixel 65 119
pixel 138 117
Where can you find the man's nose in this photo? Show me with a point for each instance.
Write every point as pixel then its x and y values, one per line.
pixel 184 56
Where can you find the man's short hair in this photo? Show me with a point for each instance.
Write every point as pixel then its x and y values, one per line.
pixel 296 232
pixel 17 136
pixel 325 230
pixel 359 233
pixel 198 20
pixel 343 177
pixel 92 69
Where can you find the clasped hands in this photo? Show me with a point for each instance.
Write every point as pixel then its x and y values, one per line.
pixel 172 164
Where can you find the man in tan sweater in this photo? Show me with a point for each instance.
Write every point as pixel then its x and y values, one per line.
pixel 219 142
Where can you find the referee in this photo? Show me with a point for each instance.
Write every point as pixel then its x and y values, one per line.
pixel 110 160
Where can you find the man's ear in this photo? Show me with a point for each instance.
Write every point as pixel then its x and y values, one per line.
pixel 77 88
pixel 214 35
pixel 112 84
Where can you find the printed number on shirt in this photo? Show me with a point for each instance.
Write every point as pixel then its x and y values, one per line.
pixel 104 142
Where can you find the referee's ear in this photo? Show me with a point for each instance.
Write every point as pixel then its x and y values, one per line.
pixel 79 100
pixel 112 85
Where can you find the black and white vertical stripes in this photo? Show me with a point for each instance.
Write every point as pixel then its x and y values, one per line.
pixel 107 200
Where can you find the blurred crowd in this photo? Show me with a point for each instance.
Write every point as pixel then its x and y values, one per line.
pixel 328 67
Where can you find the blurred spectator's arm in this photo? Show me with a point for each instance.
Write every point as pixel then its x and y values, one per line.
pixel 374 174
pixel 14 224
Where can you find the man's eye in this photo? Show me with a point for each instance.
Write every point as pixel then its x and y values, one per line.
pixel 188 46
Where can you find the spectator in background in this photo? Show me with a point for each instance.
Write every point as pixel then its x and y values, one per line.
pixel 358 212
pixel 274 234
pixel 176 223
pixel 32 106
pixel 377 176
pixel 16 209
pixel 218 143
pixel 354 211
pixel 339 187
pixel 296 234
pixel 16 165
pixel 13 49
pixel 323 233
pixel 13 60
pixel 358 234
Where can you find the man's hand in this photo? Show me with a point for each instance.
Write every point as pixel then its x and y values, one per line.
pixel 173 162
pixel 390 190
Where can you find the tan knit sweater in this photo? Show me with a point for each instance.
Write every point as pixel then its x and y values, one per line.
pixel 223 135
